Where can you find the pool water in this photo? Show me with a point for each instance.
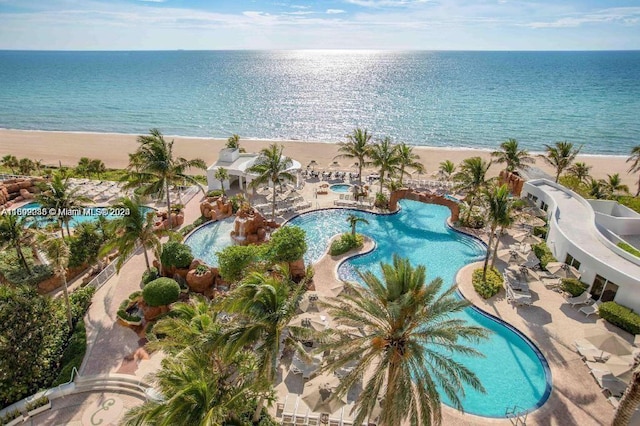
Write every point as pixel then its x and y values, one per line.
pixel 75 220
pixel 340 187
pixel 511 371
pixel 211 238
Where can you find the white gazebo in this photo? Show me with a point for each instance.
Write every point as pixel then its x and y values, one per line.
pixel 237 164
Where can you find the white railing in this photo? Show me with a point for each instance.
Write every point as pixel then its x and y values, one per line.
pixel 110 270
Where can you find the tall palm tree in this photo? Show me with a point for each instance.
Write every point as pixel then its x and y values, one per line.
pixel 580 171
pixel 629 402
pixel 266 304
pixel 271 168
pixel 83 166
pixel 384 156
pixel 10 161
pixel 498 213
pixel 354 220
pixel 57 252
pixel 406 158
pixel 221 174
pixel 58 196
pixel 634 158
pixel 614 185
pixel 472 177
pixel 560 156
pixel 447 168
pixel 14 233
pixel 513 157
pixel 133 229
pixel 356 147
pixel 154 168
pixel 408 336
pixel 97 167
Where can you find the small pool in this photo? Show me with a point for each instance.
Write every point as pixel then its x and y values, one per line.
pixel 209 239
pixel 513 371
pixel 89 214
pixel 340 187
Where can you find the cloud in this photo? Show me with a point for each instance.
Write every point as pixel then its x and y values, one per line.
pixel 626 15
pixel 385 3
pixel 334 11
pixel 153 1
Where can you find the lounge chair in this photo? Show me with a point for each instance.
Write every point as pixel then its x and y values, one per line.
pixel 579 300
pixel 591 309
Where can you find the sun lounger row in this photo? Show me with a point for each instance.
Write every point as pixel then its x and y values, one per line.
pixel 585 299
pixel 296 412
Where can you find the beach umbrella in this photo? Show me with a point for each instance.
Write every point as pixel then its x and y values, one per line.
pixel 562 270
pixel 608 342
pixel 355 165
pixel 316 322
pixel 335 288
pixel 307 305
pixel 527 238
pixel 335 165
pixel 516 256
pixel 319 394
pixel 621 367
pixel 312 164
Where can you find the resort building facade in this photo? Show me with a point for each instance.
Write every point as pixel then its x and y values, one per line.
pixel 585 234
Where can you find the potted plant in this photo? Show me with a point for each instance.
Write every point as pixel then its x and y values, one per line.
pixel 200 279
pixel 128 312
pixel 38 405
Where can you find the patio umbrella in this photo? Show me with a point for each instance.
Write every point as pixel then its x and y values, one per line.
pixel 527 238
pixel 531 220
pixel 608 342
pixel 562 270
pixel 335 165
pixel 335 288
pixel 319 394
pixel 314 321
pixel 516 256
pixel 620 367
pixel 352 331
pixel 307 305
pixel 313 164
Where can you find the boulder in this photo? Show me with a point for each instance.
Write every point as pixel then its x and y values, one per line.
pixel 200 283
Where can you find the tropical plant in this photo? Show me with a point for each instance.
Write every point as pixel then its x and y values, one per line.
pixel 154 168
pixel 634 159
pixel 133 229
pixel 176 254
pixel 233 142
pixel 14 233
pixel 287 244
pixel 472 178
pixel 356 147
pixel 513 157
pixel 26 166
pixel 85 243
pixel 221 175
pixel 406 158
pixel 272 167
pixel 384 156
pixel 447 169
pixel 353 220
pixel 10 161
pixel 409 334
pixel 161 291
pixel 596 189
pixel 560 156
pixel 83 166
pixel 613 184
pixel 97 167
pixel 57 252
pixel 498 203
pixel 58 196
pixel 581 171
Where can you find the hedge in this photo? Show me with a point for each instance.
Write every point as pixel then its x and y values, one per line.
pixel 176 254
pixel 491 286
pixel 629 249
pixel 573 286
pixel 161 291
pixel 621 316
pixel 543 253
pixel 20 276
pixel 345 243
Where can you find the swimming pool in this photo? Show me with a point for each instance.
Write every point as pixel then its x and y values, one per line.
pixel 340 188
pixel 89 214
pixel 209 239
pixel 513 371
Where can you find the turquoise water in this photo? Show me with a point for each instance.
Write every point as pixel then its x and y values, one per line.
pixel 447 99
pixel 75 220
pixel 341 188
pixel 512 373
pixel 209 239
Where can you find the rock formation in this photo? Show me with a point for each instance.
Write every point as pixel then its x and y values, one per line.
pixel 216 208
pixel 250 227
pixel 16 190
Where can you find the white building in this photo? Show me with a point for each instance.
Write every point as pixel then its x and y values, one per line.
pixel 237 164
pixel 585 234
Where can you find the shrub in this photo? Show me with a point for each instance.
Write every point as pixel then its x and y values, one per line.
pixel 233 261
pixel 73 354
pixel 80 300
pixel 176 254
pixel 36 403
pixel 11 415
pixel 518 204
pixel 381 200
pixel 621 316
pixel 629 248
pixel 201 270
pixel 573 286
pixel 543 253
pixel 150 275
pixel 215 193
pixel 491 286
pixel 540 231
pixel 20 276
pixel 186 229
pixel 287 244
pixel 161 291
pixel 345 243
pixel 630 201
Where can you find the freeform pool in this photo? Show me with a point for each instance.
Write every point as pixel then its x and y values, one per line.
pixel 513 372
pixel 211 238
pixel 340 187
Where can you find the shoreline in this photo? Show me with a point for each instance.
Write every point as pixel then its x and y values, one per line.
pixel 54 147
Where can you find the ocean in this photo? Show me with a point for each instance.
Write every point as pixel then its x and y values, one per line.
pixel 442 99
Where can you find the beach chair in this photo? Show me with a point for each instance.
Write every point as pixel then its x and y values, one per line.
pixel 290 405
pixel 591 309
pixel 579 300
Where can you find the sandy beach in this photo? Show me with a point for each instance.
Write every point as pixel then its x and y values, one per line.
pixel 67 148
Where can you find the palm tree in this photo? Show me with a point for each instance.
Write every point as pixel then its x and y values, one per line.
pixel 384 155
pixel 498 209
pixel 272 168
pixel 356 147
pixel 597 189
pixel 58 196
pixel 96 167
pixel 580 171
pixel 408 337
pixel 233 142
pixel 406 158
pixel 513 157
pixel 221 174
pixel 83 166
pixel 155 168
pixel 560 156
pixel 133 229
pixel 472 178
pixel 26 166
pixel 629 402
pixel 266 304
pixel 11 162
pixel 354 220
pixel 14 233
pixel 447 168
pixel 614 184
pixel 57 252
pixel 635 166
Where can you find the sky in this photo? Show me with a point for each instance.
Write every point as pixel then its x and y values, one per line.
pixel 329 24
